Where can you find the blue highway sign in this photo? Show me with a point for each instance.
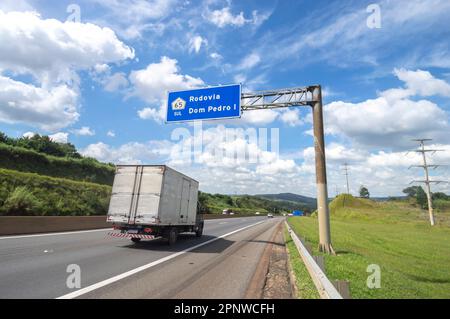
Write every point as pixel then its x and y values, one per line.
pixel 222 102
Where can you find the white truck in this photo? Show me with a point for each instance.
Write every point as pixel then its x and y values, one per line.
pixel 150 201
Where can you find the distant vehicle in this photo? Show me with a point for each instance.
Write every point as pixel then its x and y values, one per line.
pixel 151 201
pixel 269 215
pixel 290 214
pixel 227 212
pixel 257 213
pixel 231 213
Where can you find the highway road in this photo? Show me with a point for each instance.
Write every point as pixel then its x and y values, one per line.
pixel 221 264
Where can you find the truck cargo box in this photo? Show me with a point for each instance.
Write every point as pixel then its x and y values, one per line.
pixel 152 195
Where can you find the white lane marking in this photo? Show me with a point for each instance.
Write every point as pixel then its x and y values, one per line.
pixel 221 223
pixel 147 266
pixel 56 234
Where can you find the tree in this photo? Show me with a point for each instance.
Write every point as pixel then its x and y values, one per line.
pixel 411 191
pixel 421 198
pixel 364 192
pixel 440 195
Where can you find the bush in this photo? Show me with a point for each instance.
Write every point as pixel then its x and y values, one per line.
pixel 21 202
pixel 50 196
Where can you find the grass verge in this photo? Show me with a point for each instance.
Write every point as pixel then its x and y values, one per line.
pixel 305 286
pixel 414 258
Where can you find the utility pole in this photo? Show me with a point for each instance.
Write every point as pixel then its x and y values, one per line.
pixel 427 180
pixel 346 176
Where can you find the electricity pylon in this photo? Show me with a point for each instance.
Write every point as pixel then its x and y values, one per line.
pixel 346 176
pixel 427 180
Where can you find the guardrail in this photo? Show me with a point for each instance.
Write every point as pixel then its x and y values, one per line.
pixel 324 286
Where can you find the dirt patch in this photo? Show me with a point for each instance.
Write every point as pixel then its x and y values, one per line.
pixel 278 280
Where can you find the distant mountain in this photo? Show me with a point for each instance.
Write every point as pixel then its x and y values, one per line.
pixel 290 197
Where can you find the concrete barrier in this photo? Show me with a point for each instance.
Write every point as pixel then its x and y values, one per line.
pixel 18 225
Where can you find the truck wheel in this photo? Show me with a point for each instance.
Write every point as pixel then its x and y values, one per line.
pixel 135 240
pixel 199 231
pixel 172 236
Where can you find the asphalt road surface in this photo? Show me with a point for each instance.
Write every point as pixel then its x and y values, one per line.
pixel 220 264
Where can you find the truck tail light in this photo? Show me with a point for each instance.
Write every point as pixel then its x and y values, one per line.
pixel 147 230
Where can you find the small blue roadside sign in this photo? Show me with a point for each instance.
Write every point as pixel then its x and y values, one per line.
pixel 221 102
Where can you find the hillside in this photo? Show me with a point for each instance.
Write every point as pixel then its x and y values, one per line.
pixel 78 168
pixel 290 197
pixel 215 203
pixel 39 176
pixel 33 194
pixel 398 210
pixel 395 235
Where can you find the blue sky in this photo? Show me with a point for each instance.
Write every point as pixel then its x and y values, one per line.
pixel 96 73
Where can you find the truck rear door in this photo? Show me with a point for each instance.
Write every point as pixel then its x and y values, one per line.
pixel 121 203
pixel 149 195
pixel 184 201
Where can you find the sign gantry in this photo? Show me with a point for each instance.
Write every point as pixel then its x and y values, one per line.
pixel 228 102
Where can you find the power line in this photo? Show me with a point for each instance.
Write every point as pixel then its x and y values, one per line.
pixel 427 180
pixel 346 176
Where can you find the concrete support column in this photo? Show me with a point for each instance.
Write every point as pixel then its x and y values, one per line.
pixel 321 174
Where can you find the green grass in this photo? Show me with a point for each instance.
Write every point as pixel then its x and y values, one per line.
pixel 82 169
pixel 305 286
pixel 50 196
pixel 414 257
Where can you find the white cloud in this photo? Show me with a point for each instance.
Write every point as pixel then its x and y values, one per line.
pixel 423 83
pixel 114 82
pixel 195 43
pixel 59 137
pixel 60 46
pixel 84 131
pixel 291 117
pixel 102 68
pixel 260 117
pixel 153 82
pixel 393 118
pixel 403 24
pixel 384 173
pixel 15 5
pixel 50 109
pixel 224 17
pixel 51 52
pixel 215 56
pixel 132 18
pixel 149 113
pixel 250 61
pixel 28 134
pixel 130 153
pixel 111 134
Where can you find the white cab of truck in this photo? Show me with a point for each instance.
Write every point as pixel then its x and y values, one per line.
pixel 149 201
